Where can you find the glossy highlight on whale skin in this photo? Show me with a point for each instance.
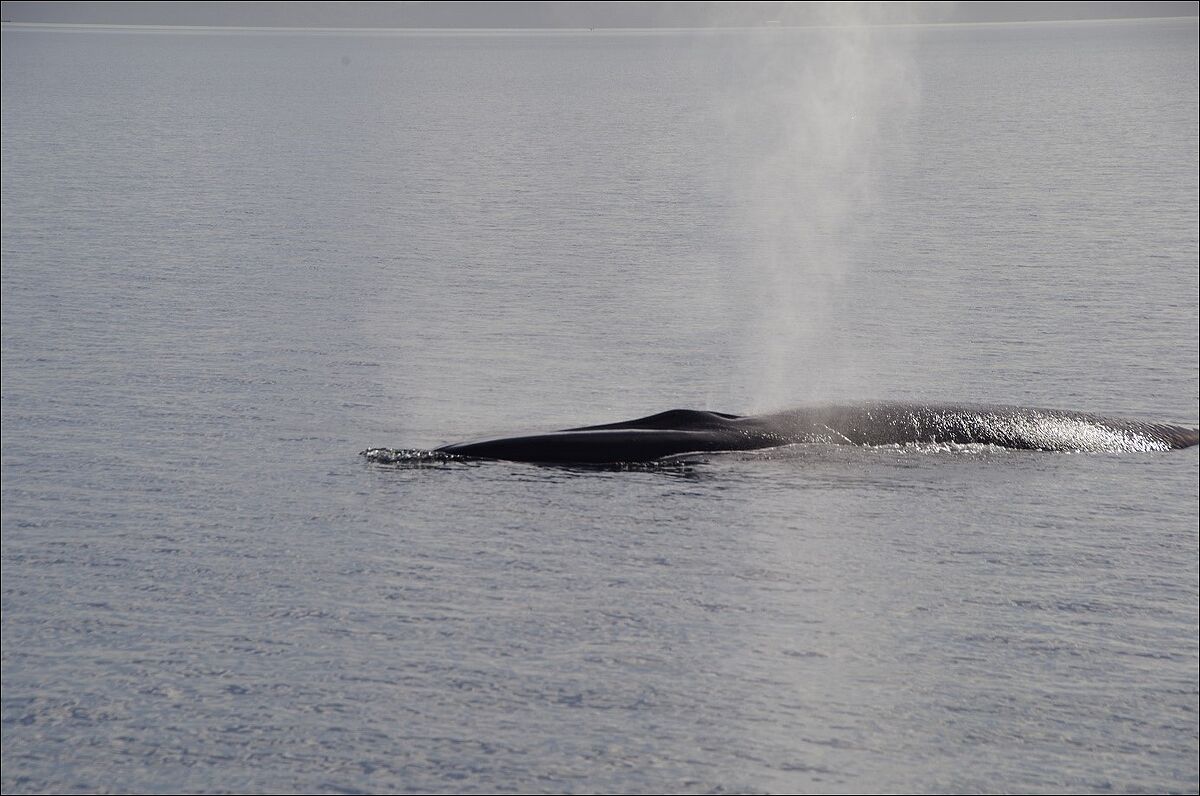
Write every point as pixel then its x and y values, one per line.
pixel 880 423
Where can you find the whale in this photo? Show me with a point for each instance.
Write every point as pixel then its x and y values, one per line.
pixel 691 431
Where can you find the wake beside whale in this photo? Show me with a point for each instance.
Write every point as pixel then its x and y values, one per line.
pixel 680 431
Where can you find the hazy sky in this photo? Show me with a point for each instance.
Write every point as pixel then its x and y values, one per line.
pixel 548 14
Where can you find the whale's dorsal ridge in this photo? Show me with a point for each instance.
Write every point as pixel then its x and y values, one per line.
pixel 676 419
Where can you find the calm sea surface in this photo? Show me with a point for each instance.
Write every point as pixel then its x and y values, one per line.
pixel 231 261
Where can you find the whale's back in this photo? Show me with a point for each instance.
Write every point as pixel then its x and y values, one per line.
pixel 1022 428
pixel 881 423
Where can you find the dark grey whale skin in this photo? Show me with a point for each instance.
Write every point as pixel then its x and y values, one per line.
pixel 883 423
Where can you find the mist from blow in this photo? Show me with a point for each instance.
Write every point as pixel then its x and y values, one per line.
pixel 831 100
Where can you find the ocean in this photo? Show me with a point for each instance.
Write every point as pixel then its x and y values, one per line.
pixel 234 259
